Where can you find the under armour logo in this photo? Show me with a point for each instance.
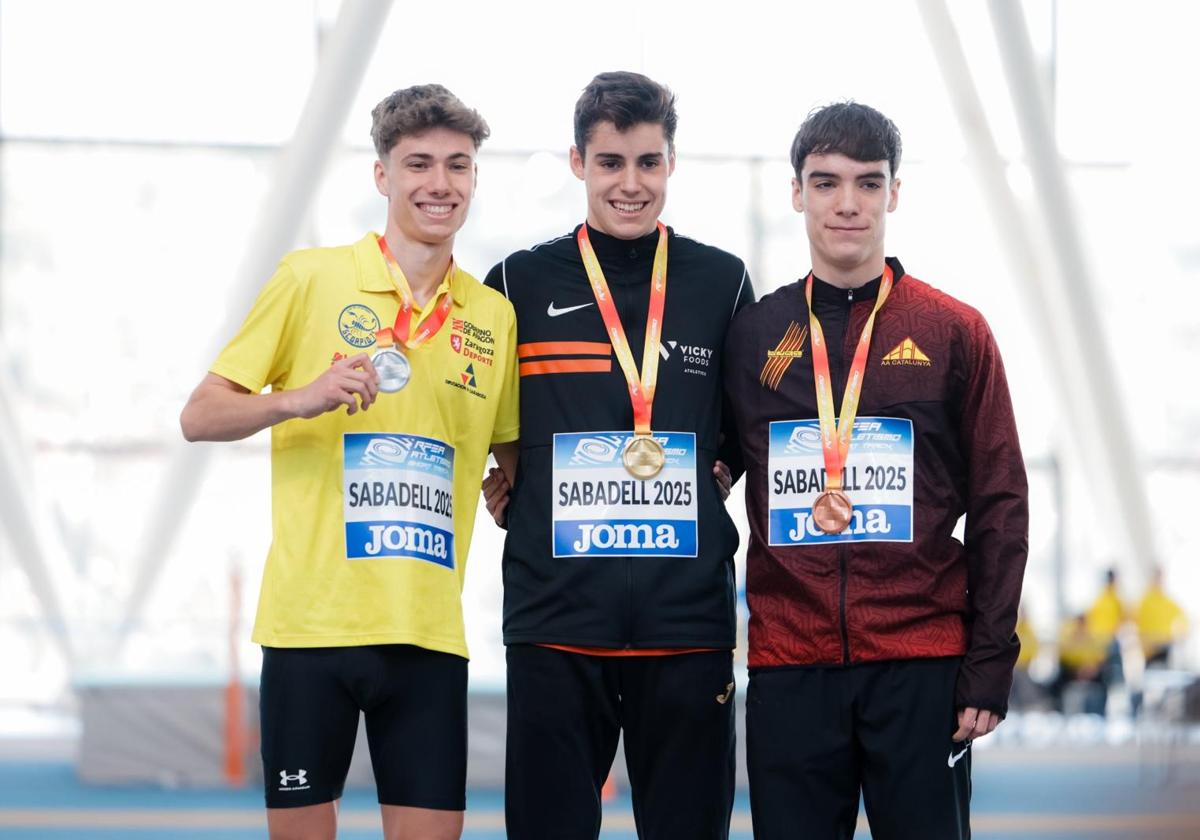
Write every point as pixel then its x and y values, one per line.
pixel 300 777
pixel 724 698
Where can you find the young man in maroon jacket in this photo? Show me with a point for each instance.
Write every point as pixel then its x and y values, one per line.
pixel 873 413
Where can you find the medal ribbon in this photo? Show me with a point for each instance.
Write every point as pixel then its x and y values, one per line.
pixel 399 333
pixel 641 391
pixel 835 437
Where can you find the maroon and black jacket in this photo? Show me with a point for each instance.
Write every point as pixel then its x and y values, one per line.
pixel 854 602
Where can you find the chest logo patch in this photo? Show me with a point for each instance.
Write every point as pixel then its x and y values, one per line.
pixel 906 353
pixel 789 348
pixel 695 358
pixel 468 381
pixel 472 341
pixel 358 323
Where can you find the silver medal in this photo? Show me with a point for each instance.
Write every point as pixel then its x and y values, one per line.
pixel 393 368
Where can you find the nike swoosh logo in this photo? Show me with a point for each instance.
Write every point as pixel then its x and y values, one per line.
pixel 953 759
pixel 554 312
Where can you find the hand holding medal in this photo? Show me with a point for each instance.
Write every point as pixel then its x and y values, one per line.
pixel 390 362
pixel 832 509
pixel 644 456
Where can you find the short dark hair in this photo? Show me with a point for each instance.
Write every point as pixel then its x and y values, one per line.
pixel 857 131
pixel 625 99
pixel 415 110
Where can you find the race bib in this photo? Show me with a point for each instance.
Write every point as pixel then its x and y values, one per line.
pixel 878 478
pixel 399 497
pixel 600 510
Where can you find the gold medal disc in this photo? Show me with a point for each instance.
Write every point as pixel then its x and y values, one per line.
pixel 644 457
pixel 831 511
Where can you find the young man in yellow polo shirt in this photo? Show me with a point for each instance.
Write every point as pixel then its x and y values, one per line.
pixel 392 371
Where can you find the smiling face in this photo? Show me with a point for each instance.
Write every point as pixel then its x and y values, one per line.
pixel 845 203
pixel 428 179
pixel 626 174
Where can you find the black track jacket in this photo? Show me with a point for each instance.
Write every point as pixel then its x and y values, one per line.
pixel 571 382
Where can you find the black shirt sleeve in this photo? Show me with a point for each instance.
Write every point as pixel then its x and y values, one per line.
pixel 495 279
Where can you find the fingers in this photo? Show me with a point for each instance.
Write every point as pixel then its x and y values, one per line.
pixel 495 494
pixel 975 723
pixel 359 361
pixel 500 514
pixel 724 479
pixel 355 383
pixel 494 486
pixel 966 723
pixel 986 723
pixel 359 368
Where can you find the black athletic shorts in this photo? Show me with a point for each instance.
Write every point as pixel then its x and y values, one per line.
pixel 816 737
pixel 415 702
pixel 565 714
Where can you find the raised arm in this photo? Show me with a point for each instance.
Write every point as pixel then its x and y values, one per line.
pixel 221 410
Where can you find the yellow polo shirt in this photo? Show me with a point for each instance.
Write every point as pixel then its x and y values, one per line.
pixel 372 513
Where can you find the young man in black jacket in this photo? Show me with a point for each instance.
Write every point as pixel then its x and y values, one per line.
pixel 619 602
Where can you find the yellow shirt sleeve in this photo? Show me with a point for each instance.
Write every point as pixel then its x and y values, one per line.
pixel 261 353
pixel 507 427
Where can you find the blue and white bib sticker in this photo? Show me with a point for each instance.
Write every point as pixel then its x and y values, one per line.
pixel 878 478
pixel 399 497
pixel 600 510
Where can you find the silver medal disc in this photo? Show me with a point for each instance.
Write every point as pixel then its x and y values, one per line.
pixel 393 368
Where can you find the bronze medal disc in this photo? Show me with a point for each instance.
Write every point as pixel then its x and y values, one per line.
pixel 644 457
pixel 831 511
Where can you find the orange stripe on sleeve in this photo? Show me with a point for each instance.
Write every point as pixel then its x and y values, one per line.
pixel 566 366
pixel 564 348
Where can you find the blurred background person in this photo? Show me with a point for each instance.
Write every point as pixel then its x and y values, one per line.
pixel 1105 618
pixel 1081 657
pixel 1161 622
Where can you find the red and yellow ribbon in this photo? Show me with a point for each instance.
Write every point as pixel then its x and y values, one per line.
pixel 836 435
pixel 641 389
pixel 399 333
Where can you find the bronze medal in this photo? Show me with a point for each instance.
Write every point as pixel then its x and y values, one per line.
pixel 644 457
pixel 831 511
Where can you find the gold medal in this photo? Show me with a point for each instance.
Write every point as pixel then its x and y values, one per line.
pixel 831 511
pixel 644 457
